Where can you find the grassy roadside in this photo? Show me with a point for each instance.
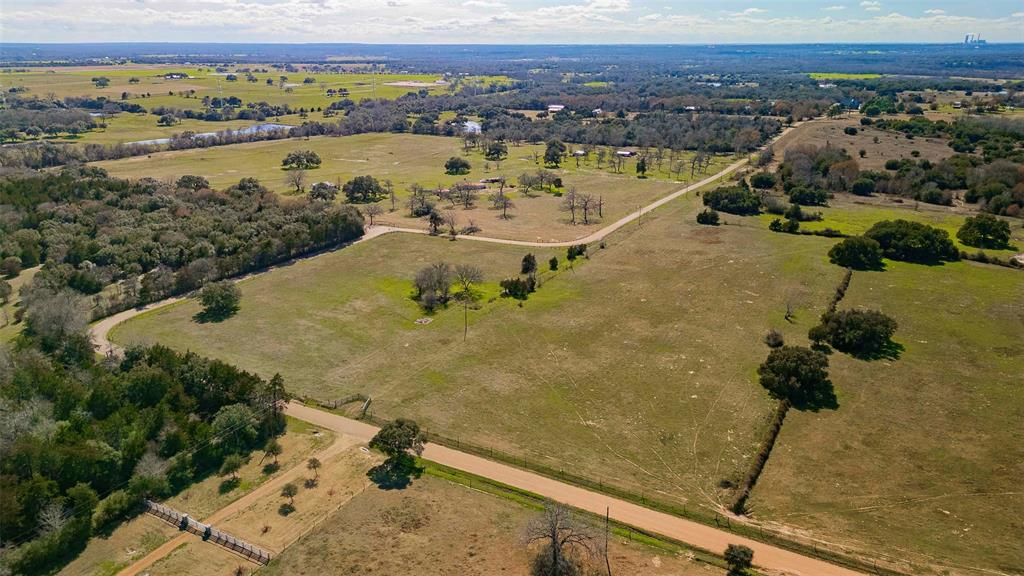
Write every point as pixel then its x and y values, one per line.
pixel 536 502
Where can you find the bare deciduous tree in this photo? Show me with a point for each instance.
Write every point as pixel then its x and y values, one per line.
pixel 466 276
pixel 372 211
pixel 566 541
pixel 53 518
pixel 570 203
pixel 297 178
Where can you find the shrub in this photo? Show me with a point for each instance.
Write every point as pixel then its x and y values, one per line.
pixel 457 166
pixel 866 122
pixel 855 331
pixel 850 130
pixel 863 186
pixel 984 231
pixel 553 263
pixel 789 226
pixel 304 159
pixel 518 288
pixel 892 164
pixel 857 252
pixel 774 339
pixel 913 241
pixel 808 196
pixel 734 200
pixel 529 264
pixel 11 266
pixel 118 506
pixel 739 558
pixel 763 180
pixel 707 217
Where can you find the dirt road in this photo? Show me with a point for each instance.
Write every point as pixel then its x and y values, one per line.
pixel 765 556
pixel 269 489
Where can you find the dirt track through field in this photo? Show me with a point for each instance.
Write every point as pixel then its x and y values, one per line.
pixel 768 557
pixel 269 489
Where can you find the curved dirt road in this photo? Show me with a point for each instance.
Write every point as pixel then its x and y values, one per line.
pixel 768 557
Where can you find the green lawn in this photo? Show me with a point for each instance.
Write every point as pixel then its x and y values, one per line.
pixel 842 76
pixel 851 215
pixel 206 82
pixel 125 127
pixel 638 368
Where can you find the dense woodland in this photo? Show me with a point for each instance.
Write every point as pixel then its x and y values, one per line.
pixel 83 442
pixel 151 238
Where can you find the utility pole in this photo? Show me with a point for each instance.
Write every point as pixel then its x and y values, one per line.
pixel 607 561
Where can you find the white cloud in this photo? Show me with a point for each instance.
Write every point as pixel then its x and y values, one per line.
pixel 484 4
pixel 458 21
pixel 935 12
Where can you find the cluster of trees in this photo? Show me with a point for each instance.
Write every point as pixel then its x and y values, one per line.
pixel 85 441
pixel 301 159
pixel 154 239
pixel 713 133
pixel 230 108
pixel 862 333
pixel 913 242
pixel 737 199
pixel 996 137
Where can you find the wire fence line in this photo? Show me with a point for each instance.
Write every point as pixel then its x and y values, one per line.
pixel 207 532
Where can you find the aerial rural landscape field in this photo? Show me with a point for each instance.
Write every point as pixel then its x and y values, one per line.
pixel 615 303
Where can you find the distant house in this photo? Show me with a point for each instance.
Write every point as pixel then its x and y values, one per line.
pixel 691 108
pixel 579 153
pixel 958 104
pixel 175 76
pixel 552 108
pixel 597 112
pixel 826 85
pixel 1019 259
pixel 471 127
pixel 625 153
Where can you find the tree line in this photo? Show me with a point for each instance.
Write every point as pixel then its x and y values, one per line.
pixel 148 239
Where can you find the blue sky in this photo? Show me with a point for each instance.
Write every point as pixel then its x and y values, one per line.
pixel 509 21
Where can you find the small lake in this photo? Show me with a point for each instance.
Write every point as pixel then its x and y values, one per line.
pixel 254 129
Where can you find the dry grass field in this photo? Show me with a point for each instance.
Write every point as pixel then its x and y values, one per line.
pixel 438 528
pixel 638 368
pixel 406 159
pixel 890 145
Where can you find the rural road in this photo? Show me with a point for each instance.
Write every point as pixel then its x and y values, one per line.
pixel 776 560
pixel 768 557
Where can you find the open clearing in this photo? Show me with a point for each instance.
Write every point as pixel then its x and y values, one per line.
pixel 206 82
pixel 890 144
pixel 638 367
pixel 406 159
pixel 436 527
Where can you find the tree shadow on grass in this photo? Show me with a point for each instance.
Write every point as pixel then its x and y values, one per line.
pixel 212 316
pixel 821 398
pixel 271 467
pixel 888 351
pixel 395 475
pixel 228 485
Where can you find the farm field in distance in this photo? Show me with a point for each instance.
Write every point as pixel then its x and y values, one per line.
pixel 206 81
pixel 656 392
pixel 406 159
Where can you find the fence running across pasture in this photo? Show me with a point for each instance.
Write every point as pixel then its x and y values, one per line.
pixel 186 524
